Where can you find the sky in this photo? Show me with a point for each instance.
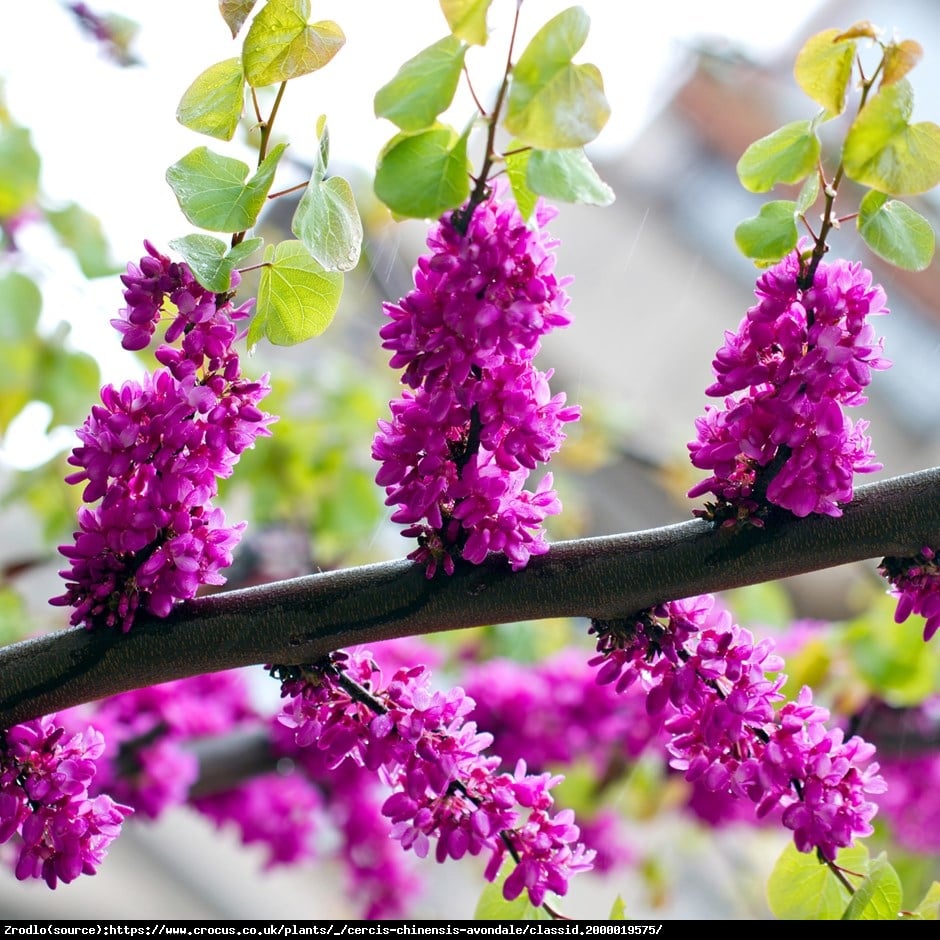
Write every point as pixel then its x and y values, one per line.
pixel 107 135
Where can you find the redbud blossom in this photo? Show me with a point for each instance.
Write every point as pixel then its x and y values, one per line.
pixel 478 416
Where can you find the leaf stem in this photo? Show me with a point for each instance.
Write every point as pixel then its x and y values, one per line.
pixel 461 217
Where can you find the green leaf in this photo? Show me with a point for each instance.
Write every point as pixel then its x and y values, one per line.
pixel 884 151
pixel 423 87
pixel 212 191
pixel 212 104
pixel 327 219
pixel 800 887
pixel 297 299
pixel 327 222
pixel 20 307
pixel 618 910
pixel 823 69
pixel 82 234
pixel 239 254
pixel 19 171
pixel 895 232
pixel 567 175
pixel 467 19
pixel 422 175
pixel 770 234
pixel 896 664
pixel 66 380
pixel 878 897
pixel 788 155
pixel 554 104
pixel 517 167
pixel 212 260
pixel 281 44
pixel 235 12
pixel 929 908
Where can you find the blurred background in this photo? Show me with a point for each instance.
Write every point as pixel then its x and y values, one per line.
pixel 657 280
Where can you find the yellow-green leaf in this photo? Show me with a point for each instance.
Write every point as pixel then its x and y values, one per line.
pixel 327 222
pixel 82 234
pixel 770 234
pixel 824 67
pixel 895 232
pixel 553 103
pixel 211 259
pixel 422 175
pixel 878 897
pixel 281 44
pixel 19 171
pixel 929 908
pixel 517 166
pixel 212 104
pixel 212 190
pixel 801 887
pixel 423 87
pixel 467 19
pixel 884 151
pixel 568 176
pixel 297 299
pixel 787 155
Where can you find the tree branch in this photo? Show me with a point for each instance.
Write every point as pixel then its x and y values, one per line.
pixel 298 621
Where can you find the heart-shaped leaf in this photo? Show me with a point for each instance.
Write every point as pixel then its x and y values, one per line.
pixel 895 232
pixel 567 175
pixel 297 299
pixel 554 104
pixel 212 104
pixel 788 155
pixel 211 259
pixel 884 151
pixel 423 87
pixel 212 190
pixel 421 176
pixel 768 236
pixel 823 69
pixel 281 44
pixel 327 222
pixel 467 19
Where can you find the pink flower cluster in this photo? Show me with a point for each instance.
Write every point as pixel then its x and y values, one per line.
pixel 799 357
pixel 915 582
pixel 459 447
pixel 152 452
pixel 444 787
pixel 716 690
pixel 60 830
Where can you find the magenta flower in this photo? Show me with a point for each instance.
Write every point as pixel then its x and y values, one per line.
pixel 59 829
pixel 797 359
pixel 717 691
pixel 151 454
pixel 915 582
pixel 444 788
pixel 478 417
